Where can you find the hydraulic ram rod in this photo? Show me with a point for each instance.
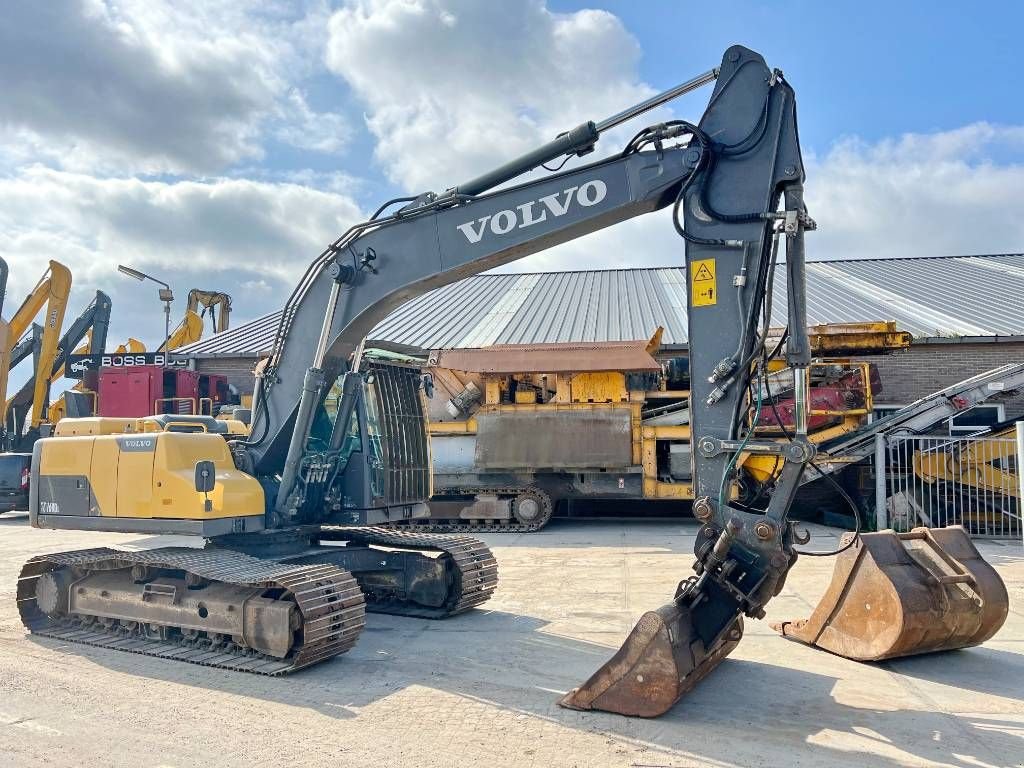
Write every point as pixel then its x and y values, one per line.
pixel 579 140
pixel 657 101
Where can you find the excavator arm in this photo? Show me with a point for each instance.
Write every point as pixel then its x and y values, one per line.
pixel 210 301
pixel 51 292
pixel 89 330
pixel 738 162
pixel 92 323
pixel 726 178
pixel 189 330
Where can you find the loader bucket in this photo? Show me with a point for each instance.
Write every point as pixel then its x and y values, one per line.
pixel 898 594
pixel 661 660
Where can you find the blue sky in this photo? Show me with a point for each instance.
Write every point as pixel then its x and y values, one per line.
pixel 872 70
pixel 219 144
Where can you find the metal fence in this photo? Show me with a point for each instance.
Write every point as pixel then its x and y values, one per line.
pixel 937 481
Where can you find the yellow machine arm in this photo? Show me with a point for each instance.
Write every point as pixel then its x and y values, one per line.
pixel 986 463
pixel 190 329
pixel 210 300
pixel 132 346
pixel 52 291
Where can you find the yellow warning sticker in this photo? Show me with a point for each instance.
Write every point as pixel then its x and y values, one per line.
pixel 703 286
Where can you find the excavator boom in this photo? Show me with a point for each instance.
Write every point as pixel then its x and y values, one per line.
pixel 189 330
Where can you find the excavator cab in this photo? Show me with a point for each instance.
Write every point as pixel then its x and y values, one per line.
pixel 384 428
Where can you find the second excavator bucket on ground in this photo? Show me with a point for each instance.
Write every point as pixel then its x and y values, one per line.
pixel 899 594
pixel 661 660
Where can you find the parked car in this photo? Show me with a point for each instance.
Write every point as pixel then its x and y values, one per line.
pixel 15 471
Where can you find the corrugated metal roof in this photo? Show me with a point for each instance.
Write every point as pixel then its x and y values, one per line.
pixel 253 339
pixel 930 296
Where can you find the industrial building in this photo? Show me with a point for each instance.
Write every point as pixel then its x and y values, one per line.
pixel 945 302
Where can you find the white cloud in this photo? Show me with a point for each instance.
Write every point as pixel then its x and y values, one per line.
pixel 944 193
pixel 153 87
pixel 327 132
pixel 453 87
pixel 251 239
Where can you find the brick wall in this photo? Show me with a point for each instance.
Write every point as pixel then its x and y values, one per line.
pixel 912 373
pixel 237 369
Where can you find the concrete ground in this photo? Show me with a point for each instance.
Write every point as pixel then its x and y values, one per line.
pixel 480 689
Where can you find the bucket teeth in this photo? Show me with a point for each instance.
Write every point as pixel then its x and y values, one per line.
pixel 899 594
pixel 660 661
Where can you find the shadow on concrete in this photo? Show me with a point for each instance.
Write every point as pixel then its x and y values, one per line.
pixel 656 535
pixel 745 713
pixel 983 669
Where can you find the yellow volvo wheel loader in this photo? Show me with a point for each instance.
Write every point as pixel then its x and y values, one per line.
pixel 293 554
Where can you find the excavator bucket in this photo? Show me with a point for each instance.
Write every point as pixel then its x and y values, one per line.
pixel 899 594
pixel 662 659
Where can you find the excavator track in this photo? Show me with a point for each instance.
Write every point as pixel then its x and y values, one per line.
pixel 484 525
pixel 475 569
pixel 328 600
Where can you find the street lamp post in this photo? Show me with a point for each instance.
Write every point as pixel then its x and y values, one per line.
pixel 166 296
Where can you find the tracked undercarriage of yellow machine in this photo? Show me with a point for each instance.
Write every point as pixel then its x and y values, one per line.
pixel 253 599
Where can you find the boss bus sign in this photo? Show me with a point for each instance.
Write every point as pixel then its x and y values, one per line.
pixel 79 365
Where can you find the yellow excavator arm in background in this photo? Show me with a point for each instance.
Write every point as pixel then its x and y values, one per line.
pixel 132 346
pixel 59 408
pixel 210 300
pixel 190 329
pixel 52 291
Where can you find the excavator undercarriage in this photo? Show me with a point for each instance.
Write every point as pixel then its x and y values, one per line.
pixel 267 604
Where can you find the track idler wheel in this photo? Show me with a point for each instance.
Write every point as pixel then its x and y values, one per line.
pixel 662 659
pixel 532 508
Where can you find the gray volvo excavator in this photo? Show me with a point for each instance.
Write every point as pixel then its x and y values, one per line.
pixel 293 553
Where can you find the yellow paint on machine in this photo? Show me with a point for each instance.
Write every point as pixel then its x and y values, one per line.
pixel 151 475
pixel 703 283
